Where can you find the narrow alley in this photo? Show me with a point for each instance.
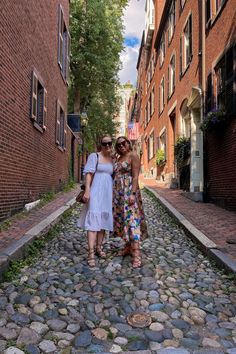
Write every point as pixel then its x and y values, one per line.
pixel 184 303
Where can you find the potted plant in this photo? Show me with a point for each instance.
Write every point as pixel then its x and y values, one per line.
pixel 182 150
pixel 213 119
pixel 160 157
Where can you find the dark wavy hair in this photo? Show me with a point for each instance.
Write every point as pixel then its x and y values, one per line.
pixel 117 142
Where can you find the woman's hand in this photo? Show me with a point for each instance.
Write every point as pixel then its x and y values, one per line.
pixel 86 196
pixel 131 199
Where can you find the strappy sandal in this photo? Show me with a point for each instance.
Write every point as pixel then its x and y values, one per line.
pixel 125 251
pixel 100 253
pixel 91 258
pixel 137 260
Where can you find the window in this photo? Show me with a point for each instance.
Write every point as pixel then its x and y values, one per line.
pixel 146 115
pixel 186 46
pixel 225 80
pixel 182 3
pixel 161 95
pixel 151 146
pixel 162 50
pixel 162 143
pixel 186 126
pixel 61 127
pixel 63 46
pixel 208 10
pixel 152 66
pixel 171 77
pixel 38 103
pixel 209 93
pixel 152 100
pixel 171 22
pixel 218 4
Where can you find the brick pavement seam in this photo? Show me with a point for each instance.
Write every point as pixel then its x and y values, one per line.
pixel 16 250
pixel 208 246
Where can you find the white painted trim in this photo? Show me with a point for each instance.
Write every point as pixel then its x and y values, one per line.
pixel 172 108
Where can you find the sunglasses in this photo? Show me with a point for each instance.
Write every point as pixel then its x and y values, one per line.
pixel 122 143
pixel 106 143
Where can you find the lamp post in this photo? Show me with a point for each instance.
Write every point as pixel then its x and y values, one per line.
pixel 84 123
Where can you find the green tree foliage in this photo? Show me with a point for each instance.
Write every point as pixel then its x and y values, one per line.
pixel 96 43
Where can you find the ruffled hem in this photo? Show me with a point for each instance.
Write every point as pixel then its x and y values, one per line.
pixel 92 221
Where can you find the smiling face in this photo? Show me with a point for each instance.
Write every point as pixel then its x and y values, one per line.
pixel 106 145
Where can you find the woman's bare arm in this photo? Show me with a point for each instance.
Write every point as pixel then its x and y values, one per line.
pixel 88 181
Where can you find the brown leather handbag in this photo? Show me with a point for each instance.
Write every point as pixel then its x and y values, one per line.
pixel 80 196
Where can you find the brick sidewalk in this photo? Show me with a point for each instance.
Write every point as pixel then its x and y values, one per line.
pixel 216 223
pixel 20 226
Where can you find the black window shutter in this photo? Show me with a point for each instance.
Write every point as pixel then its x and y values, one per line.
pixel 40 107
pixel 190 38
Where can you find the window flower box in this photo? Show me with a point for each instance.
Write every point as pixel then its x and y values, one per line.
pixel 213 120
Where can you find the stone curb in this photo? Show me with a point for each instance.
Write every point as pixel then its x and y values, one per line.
pixel 208 246
pixel 17 250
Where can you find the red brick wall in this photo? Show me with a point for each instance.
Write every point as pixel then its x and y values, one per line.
pixel 220 166
pixel 30 162
pixel 183 86
pixel 220 146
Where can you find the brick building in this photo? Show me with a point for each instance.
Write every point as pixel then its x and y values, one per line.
pixel 178 71
pixel 37 149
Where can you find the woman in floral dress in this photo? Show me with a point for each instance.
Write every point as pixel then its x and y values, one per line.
pixel 129 222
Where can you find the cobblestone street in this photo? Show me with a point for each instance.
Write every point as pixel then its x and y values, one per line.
pixel 62 306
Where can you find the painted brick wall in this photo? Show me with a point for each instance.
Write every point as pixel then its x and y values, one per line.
pixel 30 162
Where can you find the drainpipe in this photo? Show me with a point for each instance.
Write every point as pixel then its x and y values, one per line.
pixel 203 47
pixel 203 80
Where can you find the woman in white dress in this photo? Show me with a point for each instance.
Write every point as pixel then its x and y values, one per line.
pixel 96 216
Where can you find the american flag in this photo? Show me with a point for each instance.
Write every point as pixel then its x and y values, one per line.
pixel 133 130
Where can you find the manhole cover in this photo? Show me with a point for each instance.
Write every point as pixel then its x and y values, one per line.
pixel 140 320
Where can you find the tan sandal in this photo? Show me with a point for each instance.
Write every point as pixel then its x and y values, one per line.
pixel 100 253
pixel 91 258
pixel 137 259
pixel 125 251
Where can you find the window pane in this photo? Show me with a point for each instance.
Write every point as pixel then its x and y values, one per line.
pixel 34 107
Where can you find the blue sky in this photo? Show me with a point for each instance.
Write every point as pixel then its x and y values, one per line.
pixel 131 41
pixel 134 21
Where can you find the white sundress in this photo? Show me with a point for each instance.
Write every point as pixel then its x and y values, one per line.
pixel 97 215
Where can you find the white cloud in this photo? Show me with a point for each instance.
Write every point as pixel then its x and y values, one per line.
pixel 134 22
pixel 134 18
pixel 129 59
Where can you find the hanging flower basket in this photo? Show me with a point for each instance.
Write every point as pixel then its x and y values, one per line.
pixel 213 120
pixel 182 151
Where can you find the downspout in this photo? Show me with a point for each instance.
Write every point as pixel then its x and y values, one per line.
pixel 203 48
pixel 203 29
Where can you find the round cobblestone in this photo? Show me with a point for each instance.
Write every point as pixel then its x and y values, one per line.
pixel 72 309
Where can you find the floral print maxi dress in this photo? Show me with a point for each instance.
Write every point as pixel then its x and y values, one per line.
pixel 129 222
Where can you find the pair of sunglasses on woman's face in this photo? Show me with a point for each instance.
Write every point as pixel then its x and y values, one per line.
pixel 122 143
pixel 106 143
